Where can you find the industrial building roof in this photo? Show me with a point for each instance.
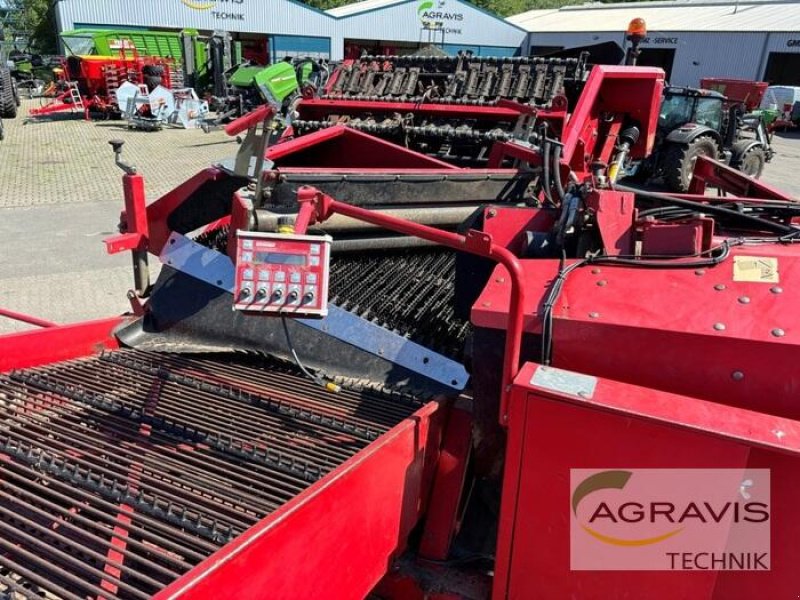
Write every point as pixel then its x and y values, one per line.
pixel 677 15
pixel 359 7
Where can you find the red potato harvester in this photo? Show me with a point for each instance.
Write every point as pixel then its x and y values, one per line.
pixel 444 303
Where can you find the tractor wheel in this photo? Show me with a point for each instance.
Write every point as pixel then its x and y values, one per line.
pixel 152 70
pixel 8 105
pixel 152 82
pixel 753 161
pixel 17 99
pixel 679 161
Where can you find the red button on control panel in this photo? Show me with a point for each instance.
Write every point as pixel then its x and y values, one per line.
pixel 282 274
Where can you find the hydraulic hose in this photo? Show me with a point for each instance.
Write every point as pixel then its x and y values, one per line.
pixel 557 172
pixel 713 210
pixel 546 168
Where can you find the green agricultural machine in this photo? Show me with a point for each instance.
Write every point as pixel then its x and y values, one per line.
pixel 202 59
pixel 212 65
pixel 279 85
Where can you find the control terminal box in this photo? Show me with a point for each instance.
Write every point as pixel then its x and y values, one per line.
pixel 282 274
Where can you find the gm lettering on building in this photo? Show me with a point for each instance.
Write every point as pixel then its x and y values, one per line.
pixel 278 28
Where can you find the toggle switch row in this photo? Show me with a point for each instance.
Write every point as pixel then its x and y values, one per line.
pixel 279 294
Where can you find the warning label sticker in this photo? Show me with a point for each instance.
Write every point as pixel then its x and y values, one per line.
pixel 758 269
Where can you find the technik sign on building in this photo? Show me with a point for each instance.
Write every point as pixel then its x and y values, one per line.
pixel 434 15
pixel 222 10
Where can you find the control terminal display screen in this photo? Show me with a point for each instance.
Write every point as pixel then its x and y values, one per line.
pixel 279 258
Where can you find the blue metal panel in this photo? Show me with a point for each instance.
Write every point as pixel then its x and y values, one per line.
pixel 454 48
pixel 217 269
pixel 296 43
pixel 498 51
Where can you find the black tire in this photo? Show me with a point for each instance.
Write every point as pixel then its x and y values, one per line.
pixel 152 82
pixel 753 161
pixel 8 104
pixel 679 161
pixel 17 99
pixel 152 70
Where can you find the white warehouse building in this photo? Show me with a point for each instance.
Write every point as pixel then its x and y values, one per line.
pixel 272 29
pixel 689 39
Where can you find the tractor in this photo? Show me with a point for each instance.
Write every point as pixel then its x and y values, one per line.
pixel 694 122
pixel 9 97
pixel 281 84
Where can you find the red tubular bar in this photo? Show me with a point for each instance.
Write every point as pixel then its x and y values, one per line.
pixel 135 217
pixel 42 346
pixel 708 172
pixel 249 120
pixel 15 316
pixel 316 207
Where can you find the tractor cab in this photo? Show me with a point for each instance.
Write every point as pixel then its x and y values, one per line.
pixel 689 106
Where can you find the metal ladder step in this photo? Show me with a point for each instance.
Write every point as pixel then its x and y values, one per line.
pixel 75 95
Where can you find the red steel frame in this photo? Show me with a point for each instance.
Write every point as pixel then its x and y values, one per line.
pixel 586 135
pixel 708 172
pixel 316 207
pixel 442 518
pixel 33 348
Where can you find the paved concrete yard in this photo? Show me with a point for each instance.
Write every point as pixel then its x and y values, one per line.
pixel 60 194
pixel 66 160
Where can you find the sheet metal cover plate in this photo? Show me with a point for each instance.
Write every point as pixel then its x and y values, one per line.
pixel 564 382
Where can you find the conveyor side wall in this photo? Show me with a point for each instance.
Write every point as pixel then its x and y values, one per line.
pixel 34 348
pixel 335 540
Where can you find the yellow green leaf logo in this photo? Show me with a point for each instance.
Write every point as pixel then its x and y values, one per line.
pixel 198 5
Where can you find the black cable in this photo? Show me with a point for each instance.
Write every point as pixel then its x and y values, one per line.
pixel 675 262
pixel 557 172
pixel 680 216
pixel 659 210
pixel 546 168
pixel 564 270
pixel 549 302
pixel 711 209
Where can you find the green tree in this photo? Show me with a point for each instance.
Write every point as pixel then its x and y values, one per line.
pixel 326 4
pixel 34 19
